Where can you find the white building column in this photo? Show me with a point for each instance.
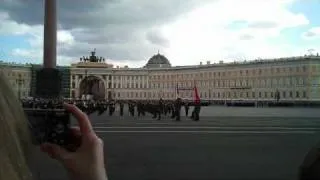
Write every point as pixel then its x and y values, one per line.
pixel 77 86
pixel 134 82
pixel 121 81
pixel 112 81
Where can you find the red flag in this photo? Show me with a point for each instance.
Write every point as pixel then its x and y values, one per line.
pixel 196 95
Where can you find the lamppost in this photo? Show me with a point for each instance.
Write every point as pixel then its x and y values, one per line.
pixel 19 81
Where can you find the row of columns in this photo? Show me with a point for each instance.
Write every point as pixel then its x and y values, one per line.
pixel 113 84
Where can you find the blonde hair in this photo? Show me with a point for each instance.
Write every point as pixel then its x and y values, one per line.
pixel 14 135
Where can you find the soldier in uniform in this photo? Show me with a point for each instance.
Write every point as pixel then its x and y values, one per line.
pixel 100 107
pixel 121 108
pixel 186 108
pixel 160 109
pixel 177 109
pixel 165 108
pixel 143 108
pixel 196 111
pixel 111 107
pixel 153 109
pixel 172 110
pixel 131 108
pixel 139 108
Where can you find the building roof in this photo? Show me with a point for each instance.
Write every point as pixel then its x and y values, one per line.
pixel 158 60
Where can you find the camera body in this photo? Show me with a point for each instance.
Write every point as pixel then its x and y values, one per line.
pixel 49 125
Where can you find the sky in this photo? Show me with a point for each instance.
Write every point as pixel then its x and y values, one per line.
pixel 187 32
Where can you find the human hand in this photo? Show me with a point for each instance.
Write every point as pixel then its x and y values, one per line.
pixel 87 161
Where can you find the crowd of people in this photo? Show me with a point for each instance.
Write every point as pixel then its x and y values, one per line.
pixel 158 109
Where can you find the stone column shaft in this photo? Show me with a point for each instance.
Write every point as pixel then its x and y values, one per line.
pixel 50 34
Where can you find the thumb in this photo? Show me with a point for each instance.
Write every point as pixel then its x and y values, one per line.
pixel 55 151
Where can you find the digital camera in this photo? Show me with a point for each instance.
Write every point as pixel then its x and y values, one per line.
pixel 49 125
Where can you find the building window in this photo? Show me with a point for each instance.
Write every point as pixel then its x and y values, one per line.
pixel 266 94
pixel 284 94
pixel 297 94
pixel 253 94
pixel 259 94
pixel 291 94
pixel 314 68
pixel 304 94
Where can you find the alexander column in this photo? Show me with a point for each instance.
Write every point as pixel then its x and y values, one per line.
pixel 50 34
pixel 48 78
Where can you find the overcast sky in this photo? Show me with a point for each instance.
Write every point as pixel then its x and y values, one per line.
pixel 129 32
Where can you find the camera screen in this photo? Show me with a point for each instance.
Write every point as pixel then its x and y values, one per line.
pixel 49 125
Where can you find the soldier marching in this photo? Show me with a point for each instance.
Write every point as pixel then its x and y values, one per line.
pixel 156 109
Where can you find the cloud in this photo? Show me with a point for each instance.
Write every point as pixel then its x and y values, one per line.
pixel 263 25
pixel 311 34
pixel 129 32
pixel 119 29
pixel 246 37
pixel 155 37
pixel 208 31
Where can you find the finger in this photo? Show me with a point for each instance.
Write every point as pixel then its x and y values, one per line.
pixel 46 150
pixel 76 137
pixel 55 151
pixel 75 131
pixel 82 118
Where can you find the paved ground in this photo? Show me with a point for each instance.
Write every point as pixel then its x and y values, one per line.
pixel 227 143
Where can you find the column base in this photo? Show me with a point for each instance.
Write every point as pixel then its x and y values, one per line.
pixel 48 83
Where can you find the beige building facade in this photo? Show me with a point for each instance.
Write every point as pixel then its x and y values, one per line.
pixel 295 79
pixel 19 77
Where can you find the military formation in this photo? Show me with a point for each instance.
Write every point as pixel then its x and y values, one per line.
pixel 157 109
